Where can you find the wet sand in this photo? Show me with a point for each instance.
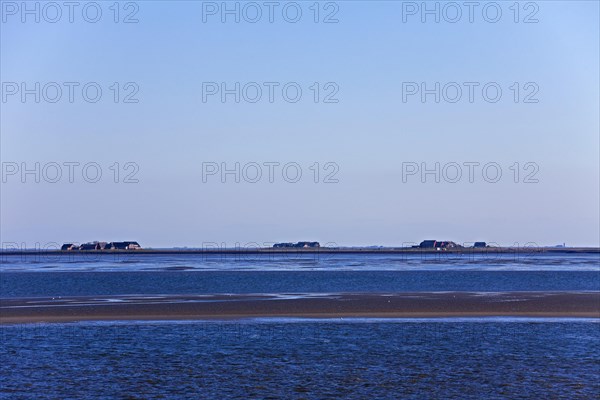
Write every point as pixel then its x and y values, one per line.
pixel 342 305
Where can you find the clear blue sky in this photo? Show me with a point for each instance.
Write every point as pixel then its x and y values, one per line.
pixel 369 133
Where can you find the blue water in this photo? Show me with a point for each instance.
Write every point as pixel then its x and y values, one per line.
pixel 28 284
pixel 304 359
pixel 25 276
pixel 518 261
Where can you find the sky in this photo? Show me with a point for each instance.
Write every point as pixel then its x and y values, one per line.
pixel 172 124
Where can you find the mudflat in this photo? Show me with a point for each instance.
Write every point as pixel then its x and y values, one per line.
pixel 332 305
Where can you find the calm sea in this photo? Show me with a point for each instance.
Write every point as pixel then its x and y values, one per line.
pixel 296 358
pixel 69 275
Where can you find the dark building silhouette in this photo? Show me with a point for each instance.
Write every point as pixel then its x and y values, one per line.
pixel 90 246
pixel 123 246
pixel 103 246
pixel 428 244
pixel 436 244
pixel 297 245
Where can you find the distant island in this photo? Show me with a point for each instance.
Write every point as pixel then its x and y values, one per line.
pixel 429 246
pixel 132 245
pixel 102 246
pixel 425 244
pixel 303 245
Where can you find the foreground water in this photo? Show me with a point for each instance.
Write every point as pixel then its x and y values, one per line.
pixel 303 359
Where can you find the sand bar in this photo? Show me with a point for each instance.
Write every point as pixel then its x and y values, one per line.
pixel 336 305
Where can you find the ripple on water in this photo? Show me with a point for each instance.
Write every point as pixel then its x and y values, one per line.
pixel 367 359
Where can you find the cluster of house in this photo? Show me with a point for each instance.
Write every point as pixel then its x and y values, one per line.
pixel 297 245
pixel 102 246
pixel 439 245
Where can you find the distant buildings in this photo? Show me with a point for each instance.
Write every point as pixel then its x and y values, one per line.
pixel 102 246
pixel 124 246
pixel 297 245
pixel 444 245
pixel 90 246
pixel 436 244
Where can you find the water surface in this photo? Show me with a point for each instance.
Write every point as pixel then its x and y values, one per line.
pixel 299 359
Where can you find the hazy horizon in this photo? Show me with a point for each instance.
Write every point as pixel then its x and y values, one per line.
pixel 379 149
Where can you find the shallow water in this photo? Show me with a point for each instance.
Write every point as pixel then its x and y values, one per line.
pixel 80 283
pixel 303 359
pixel 518 261
pixel 316 273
